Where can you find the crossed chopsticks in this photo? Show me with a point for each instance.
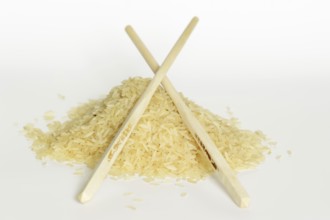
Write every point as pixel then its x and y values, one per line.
pixel 223 171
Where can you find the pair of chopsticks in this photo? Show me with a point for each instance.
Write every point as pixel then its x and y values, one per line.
pixel 223 171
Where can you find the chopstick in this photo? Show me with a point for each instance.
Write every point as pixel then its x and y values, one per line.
pixel 223 171
pixel 118 142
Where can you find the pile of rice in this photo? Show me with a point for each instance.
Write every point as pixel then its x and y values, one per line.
pixel 160 145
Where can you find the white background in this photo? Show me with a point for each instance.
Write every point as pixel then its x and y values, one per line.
pixel 267 60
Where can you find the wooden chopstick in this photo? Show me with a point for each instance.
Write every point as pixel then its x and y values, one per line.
pixel 223 171
pixel 132 119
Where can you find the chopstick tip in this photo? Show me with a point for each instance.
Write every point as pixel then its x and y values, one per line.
pixel 195 19
pixel 83 198
pixel 128 28
pixel 245 202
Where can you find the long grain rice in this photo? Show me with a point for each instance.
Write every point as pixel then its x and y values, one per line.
pixel 160 145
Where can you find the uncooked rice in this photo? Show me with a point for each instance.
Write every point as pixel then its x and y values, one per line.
pixel 183 194
pixel 160 145
pixel 49 115
pixel 131 207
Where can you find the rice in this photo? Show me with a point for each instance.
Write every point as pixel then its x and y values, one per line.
pixel 49 115
pixel 160 145
pixel 131 207
pixel 183 194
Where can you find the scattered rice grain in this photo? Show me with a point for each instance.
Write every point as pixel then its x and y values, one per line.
pixel 131 207
pixel 79 172
pixel 62 97
pixel 49 115
pixel 127 193
pixel 183 194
